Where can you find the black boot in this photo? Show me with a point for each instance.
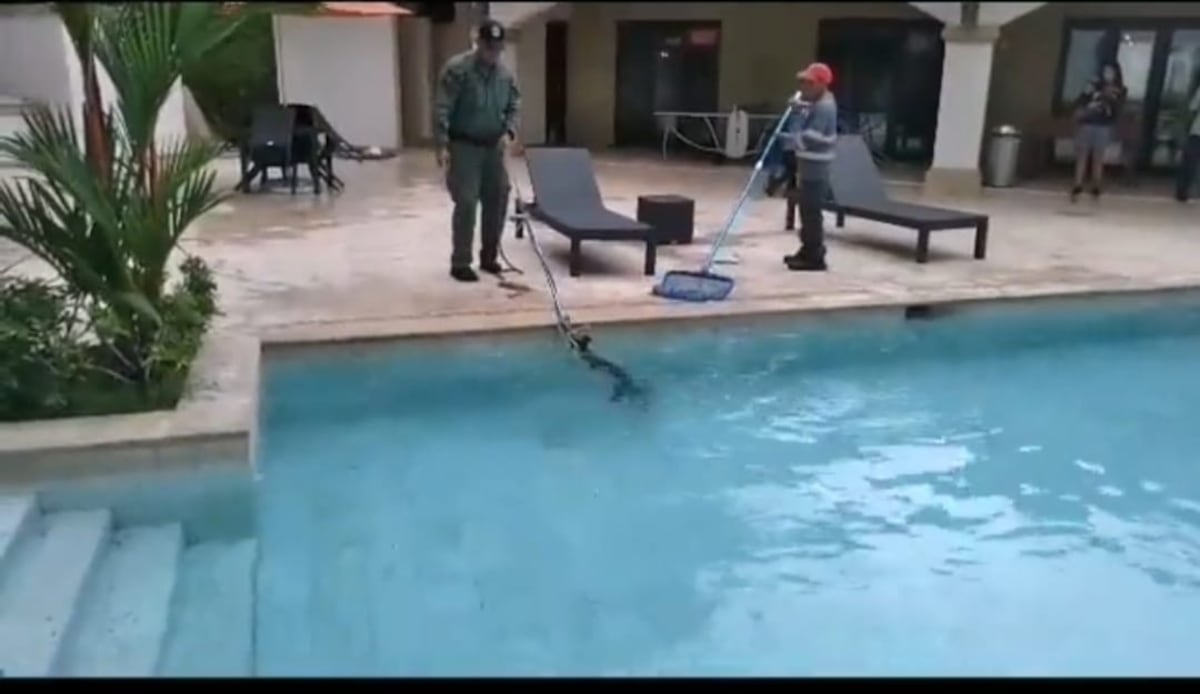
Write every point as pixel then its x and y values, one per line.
pixel 464 274
pixel 1075 193
pixel 1095 192
pixel 488 253
pixel 800 262
pixel 488 264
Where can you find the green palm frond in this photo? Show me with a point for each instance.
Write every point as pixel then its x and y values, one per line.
pixel 78 20
pixel 107 215
pixel 147 47
pixel 67 216
pixel 135 44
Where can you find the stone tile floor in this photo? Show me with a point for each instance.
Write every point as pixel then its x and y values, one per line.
pixel 378 253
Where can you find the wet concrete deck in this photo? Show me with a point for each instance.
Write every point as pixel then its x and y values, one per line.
pixel 374 260
pixel 378 254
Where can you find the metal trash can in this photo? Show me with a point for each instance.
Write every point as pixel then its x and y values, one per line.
pixel 1003 150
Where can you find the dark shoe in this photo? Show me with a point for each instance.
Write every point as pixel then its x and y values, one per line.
pixel 491 267
pixel 808 266
pixel 798 262
pixel 1075 193
pixel 464 274
pixel 1095 192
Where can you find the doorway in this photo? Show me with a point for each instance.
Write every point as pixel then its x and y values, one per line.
pixel 663 66
pixel 1160 63
pixel 888 81
pixel 556 83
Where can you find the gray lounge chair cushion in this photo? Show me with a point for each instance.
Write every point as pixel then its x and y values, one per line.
pixel 857 189
pixel 567 198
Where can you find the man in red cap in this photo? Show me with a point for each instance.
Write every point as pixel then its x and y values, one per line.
pixel 814 135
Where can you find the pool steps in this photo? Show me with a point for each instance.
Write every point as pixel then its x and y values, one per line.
pixel 16 514
pixel 80 598
pixel 213 616
pixel 119 628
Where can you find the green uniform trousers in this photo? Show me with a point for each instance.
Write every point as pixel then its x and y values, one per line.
pixel 476 177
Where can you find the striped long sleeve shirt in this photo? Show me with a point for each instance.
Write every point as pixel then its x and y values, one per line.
pixel 815 134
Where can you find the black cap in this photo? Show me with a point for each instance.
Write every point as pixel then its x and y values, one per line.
pixel 490 31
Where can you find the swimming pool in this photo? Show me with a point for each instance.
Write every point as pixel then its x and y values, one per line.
pixel 1008 492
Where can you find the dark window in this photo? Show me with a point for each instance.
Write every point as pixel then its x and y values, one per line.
pixel 1088 49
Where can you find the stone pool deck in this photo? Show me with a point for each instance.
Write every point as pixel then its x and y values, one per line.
pixel 372 263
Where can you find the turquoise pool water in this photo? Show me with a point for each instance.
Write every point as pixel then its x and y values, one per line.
pixel 1013 492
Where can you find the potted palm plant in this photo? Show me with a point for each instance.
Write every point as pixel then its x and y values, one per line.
pixel 106 208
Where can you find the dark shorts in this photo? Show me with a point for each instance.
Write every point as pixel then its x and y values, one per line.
pixel 1092 139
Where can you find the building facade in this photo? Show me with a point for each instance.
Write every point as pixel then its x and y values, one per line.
pixel 924 87
pixel 38 64
pixel 928 88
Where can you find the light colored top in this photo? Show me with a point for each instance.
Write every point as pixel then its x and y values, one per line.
pixel 815 135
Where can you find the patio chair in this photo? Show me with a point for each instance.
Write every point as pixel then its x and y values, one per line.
pixel 857 190
pixel 314 143
pixel 268 143
pixel 567 199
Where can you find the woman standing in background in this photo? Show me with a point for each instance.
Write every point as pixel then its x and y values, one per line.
pixel 1097 110
pixel 1191 149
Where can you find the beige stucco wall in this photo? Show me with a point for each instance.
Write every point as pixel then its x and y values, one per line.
pixel 1029 48
pixel 529 52
pixel 762 46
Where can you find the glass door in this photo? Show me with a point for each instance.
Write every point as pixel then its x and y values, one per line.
pixel 1160 61
pixel 1089 48
pixel 1181 79
pixel 664 67
pixel 889 75
pixel 916 94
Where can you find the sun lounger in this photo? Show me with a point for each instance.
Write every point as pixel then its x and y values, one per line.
pixel 567 199
pixel 857 190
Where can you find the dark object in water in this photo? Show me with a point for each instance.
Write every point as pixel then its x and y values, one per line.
pixel 918 312
pixel 926 311
pixel 624 387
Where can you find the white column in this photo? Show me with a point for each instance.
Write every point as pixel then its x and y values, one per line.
pixel 962 110
pixel 417 73
pixel 509 57
pixel 531 51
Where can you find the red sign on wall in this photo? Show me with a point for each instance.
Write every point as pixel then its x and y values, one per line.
pixel 704 37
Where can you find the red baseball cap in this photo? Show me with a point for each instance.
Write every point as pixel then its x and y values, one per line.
pixel 818 73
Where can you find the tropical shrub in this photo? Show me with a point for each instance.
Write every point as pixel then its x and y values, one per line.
pixel 106 212
pixel 40 353
pixel 237 75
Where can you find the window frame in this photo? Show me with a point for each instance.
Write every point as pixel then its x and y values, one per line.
pixel 1161 26
pixel 1164 29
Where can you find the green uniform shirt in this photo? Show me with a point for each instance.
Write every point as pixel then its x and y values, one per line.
pixel 475 100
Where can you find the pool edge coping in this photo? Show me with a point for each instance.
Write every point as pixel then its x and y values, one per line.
pixel 305 338
pixel 216 423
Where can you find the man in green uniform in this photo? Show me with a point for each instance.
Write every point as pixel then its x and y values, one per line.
pixel 475 122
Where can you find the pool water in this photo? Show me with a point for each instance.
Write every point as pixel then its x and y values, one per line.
pixel 1013 492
